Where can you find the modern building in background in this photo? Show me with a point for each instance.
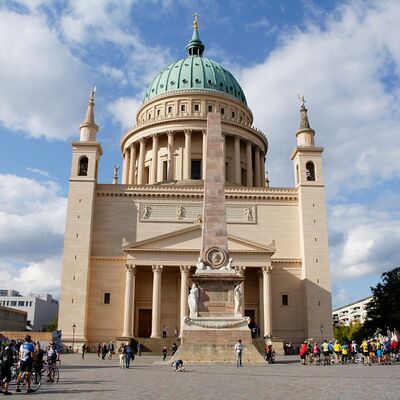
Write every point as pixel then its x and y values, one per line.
pixel 351 313
pixel 40 308
pixel 12 320
pixel 130 248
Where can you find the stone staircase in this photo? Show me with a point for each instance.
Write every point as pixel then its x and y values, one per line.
pixel 277 346
pixel 155 346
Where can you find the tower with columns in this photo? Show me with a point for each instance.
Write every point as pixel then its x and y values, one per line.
pixel 131 247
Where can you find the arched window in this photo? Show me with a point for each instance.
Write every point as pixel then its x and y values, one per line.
pixel 310 171
pixel 83 166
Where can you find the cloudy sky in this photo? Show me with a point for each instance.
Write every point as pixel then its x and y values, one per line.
pixel 344 56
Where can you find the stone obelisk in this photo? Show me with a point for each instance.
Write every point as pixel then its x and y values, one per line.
pixel 214 254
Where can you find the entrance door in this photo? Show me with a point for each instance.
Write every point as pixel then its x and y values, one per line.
pixel 251 314
pixel 144 323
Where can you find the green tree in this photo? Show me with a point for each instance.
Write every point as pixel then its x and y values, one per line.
pixel 383 312
pixel 50 327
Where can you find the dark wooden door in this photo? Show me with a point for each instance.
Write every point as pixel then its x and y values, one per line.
pixel 251 314
pixel 144 323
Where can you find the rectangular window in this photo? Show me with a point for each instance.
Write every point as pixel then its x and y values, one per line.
pixel 196 107
pixel 13 303
pixel 169 109
pixel 209 108
pixel 21 303
pixel 285 300
pixel 183 107
pixel 164 170
pixel 222 111
pixel 107 298
pixel 196 169
pixel 158 113
pixel 233 114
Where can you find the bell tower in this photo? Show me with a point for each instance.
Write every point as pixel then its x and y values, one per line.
pixel 314 249
pixel 86 154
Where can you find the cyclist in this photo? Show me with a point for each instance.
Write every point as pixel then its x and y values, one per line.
pixel 337 348
pixel 6 358
pixel 26 351
pixel 51 359
pixel 325 351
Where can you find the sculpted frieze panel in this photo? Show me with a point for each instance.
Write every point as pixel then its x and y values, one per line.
pixel 192 213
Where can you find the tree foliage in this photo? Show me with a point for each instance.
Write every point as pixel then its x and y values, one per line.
pixel 51 326
pixel 383 312
pixel 346 333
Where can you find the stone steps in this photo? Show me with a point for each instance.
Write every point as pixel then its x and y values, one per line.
pixel 154 346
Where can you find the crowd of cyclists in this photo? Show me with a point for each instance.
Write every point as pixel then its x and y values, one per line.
pixel 24 362
pixel 379 350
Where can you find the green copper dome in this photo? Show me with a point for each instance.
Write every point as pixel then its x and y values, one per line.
pixel 195 72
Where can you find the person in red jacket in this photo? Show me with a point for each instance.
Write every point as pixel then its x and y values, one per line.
pixel 303 352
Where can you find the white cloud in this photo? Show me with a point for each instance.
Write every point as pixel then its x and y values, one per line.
pixel 343 69
pixel 342 296
pixel 43 83
pixel 114 73
pixel 32 218
pixel 38 171
pixel 123 111
pixel 36 277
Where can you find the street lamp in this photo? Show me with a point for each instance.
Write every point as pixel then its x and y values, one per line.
pixel 73 336
pixel 321 328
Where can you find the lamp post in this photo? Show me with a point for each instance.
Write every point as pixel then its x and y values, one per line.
pixel 73 336
pixel 321 328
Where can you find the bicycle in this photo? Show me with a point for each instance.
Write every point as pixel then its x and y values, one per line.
pixel 35 379
pixel 53 373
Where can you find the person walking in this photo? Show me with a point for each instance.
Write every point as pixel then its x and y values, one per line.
pixel 165 352
pixel 139 349
pixel 128 355
pixel 110 350
pixel 164 331
pixel 239 353
pixel 6 362
pixel 83 350
pixel 104 350
pixel 121 354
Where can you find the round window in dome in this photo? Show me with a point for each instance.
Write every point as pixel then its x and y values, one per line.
pixel 197 80
pixel 184 80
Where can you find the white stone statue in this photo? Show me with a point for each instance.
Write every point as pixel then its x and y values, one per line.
pixel 238 299
pixel 200 264
pixel 229 265
pixel 180 212
pixel 248 212
pixel 146 212
pixel 193 300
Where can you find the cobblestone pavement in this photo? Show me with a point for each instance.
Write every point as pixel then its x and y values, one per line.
pixel 150 378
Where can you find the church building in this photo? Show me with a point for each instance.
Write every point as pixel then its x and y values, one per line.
pixel 130 248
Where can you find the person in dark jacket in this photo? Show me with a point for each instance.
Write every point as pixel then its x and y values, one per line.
pixel 7 358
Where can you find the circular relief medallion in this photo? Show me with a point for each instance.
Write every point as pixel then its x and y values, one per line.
pixel 215 257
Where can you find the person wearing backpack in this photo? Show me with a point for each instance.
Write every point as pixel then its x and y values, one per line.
pixel 6 361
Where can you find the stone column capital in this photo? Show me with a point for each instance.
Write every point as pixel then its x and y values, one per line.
pixel 187 132
pixel 141 140
pixel 157 269
pixel 130 268
pixel 170 133
pixel 240 270
pixel 185 269
pixel 266 269
pixel 154 136
pixel 204 131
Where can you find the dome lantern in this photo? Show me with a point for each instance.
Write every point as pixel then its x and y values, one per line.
pixel 195 47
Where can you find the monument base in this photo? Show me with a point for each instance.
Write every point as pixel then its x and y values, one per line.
pixel 212 341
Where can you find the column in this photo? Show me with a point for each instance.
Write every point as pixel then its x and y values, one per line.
pixel 263 178
pixel 260 304
pixel 238 169
pixel 257 168
pixel 185 270
pixel 267 303
pixel 226 173
pixel 132 164
pixel 142 155
pixel 156 303
pixel 187 155
pixel 204 157
pixel 125 176
pixel 249 178
pixel 154 159
pixel 170 156
pixel 129 309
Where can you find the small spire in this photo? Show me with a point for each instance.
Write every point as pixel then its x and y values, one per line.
pixel 195 47
pixel 88 127
pixel 304 124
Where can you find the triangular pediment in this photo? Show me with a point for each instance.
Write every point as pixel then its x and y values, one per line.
pixel 189 240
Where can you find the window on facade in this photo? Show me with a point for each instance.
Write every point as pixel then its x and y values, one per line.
pixel 196 169
pixel 285 300
pixel 183 107
pixel 107 298
pixel 164 170
pixel 30 304
pixel 196 107
pixel 21 304
pixel 233 114
pixel 243 176
pixel 83 166
pixel 297 175
pixel 146 174
pixel 210 108
pixel 310 171
pixel 222 111
pixel 158 113
pixel 169 109
pixel 13 303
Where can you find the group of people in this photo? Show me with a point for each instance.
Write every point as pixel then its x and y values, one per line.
pixel 28 356
pixel 103 350
pixel 378 350
pixel 126 353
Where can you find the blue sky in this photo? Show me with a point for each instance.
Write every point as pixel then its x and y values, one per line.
pixel 343 56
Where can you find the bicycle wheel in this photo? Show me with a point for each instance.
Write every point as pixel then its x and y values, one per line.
pixel 35 381
pixel 56 376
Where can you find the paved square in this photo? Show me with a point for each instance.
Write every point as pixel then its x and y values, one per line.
pixel 149 378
